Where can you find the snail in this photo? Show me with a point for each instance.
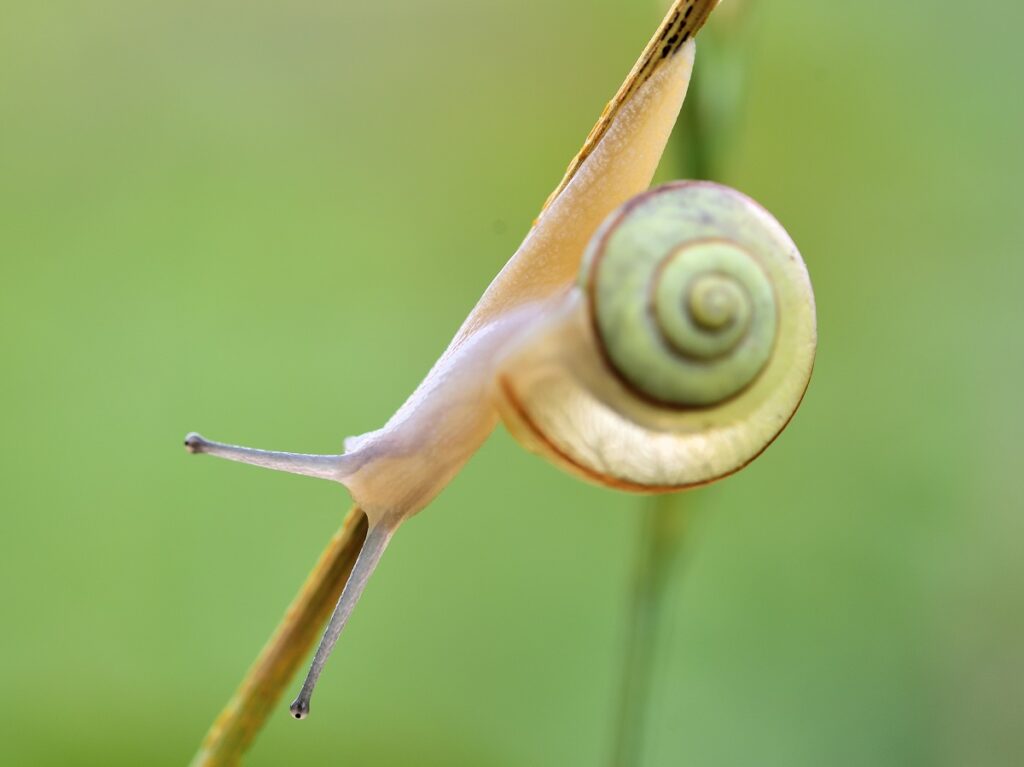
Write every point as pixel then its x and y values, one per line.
pixel 648 341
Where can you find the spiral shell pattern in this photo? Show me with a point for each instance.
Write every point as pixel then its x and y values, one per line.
pixel 681 293
pixel 683 352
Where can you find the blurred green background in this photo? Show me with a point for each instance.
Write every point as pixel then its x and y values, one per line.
pixel 265 221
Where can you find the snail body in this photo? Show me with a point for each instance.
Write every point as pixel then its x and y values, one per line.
pixel 644 340
pixel 388 472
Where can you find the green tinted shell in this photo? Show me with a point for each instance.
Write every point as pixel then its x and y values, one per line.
pixel 682 293
pixel 684 351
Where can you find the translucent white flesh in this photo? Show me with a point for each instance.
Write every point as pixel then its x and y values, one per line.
pixel 397 470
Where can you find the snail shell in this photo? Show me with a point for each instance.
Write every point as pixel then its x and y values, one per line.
pixel 684 350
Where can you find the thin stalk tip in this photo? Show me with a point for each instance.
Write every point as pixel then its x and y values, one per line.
pixel 194 443
pixel 300 707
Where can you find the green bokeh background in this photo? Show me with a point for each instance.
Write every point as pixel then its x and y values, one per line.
pixel 265 221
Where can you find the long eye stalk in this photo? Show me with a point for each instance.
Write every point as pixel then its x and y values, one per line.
pixel 321 466
pixel 373 548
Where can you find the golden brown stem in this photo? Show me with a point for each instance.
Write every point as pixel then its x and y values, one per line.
pixel 682 22
pixel 244 715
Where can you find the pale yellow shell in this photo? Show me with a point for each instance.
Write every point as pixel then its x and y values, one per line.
pixel 561 396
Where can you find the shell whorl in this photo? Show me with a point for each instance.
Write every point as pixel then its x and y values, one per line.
pixel 683 352
pixel 681 293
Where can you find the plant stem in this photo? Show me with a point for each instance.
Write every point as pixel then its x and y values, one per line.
pixel 243 717
pixel 664 527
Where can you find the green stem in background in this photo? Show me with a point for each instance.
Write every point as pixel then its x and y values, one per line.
pixel 707 123
pixel 664 526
